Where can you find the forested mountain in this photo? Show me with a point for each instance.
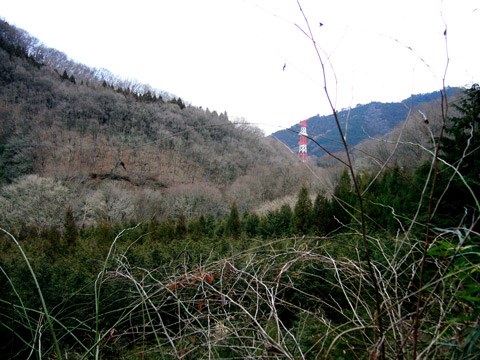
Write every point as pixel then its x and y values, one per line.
pixel 358 124
pixel 112 141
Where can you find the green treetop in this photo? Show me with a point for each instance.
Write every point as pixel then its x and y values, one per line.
pixel 233 227
pixel 302 212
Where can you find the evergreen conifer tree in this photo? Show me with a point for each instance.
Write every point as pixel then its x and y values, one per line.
pixel 64 75
pixel 321 215
pixel 251 224
pixel 233 227
pixel 464 131
pixel 181 227
pixel 285 220
pixel 197 227
pixel 344 199
pixel 302 212
pixel 461 149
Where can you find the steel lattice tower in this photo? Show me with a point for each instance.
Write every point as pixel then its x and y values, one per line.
pixel 302 144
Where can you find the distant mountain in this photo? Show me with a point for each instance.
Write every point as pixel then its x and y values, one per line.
pixel 358 124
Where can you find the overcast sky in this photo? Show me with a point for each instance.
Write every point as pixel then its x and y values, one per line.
pixel 251 57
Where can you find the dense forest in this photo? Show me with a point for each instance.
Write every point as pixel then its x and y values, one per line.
pixel 136 226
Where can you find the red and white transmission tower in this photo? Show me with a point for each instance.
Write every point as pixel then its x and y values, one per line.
pixel 302 144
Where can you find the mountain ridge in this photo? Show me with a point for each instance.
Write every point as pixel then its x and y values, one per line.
pixel 364 121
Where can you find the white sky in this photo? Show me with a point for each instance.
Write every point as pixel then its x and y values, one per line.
pixel 228 55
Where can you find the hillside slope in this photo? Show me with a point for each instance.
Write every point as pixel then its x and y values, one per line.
pixel 94 135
